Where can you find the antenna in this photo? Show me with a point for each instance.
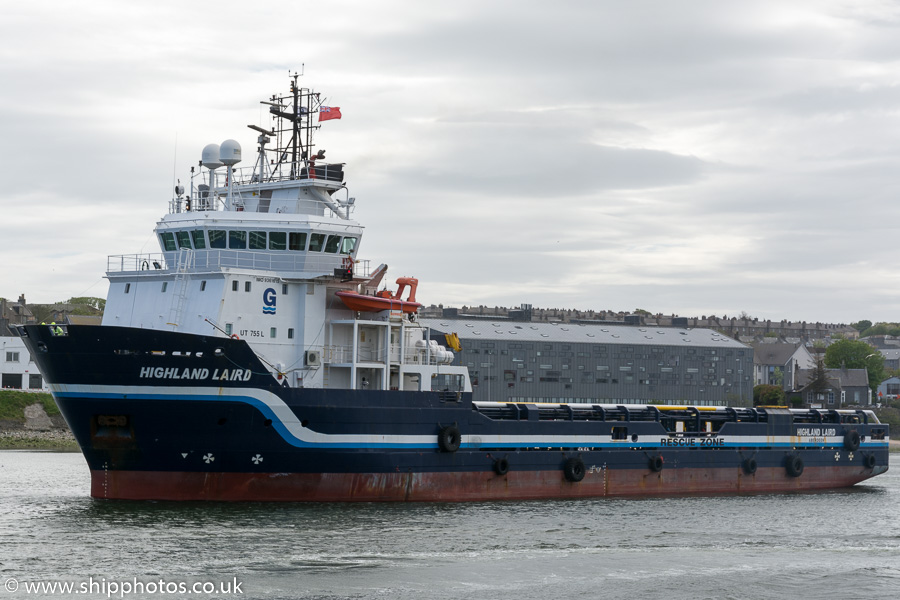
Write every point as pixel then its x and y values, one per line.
pixel 261 130
pixel 175 161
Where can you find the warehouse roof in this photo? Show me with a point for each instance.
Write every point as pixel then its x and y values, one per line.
pixel 581 333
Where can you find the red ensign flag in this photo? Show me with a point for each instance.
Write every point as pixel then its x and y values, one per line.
pixel 329 112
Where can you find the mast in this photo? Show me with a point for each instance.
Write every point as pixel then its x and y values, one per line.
pixel 297 107
pixel 295 139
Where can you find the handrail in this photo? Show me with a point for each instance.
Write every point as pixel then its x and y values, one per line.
pixel 215 259
pixel 343 354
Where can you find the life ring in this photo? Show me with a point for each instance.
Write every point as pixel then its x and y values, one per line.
pixel 869 461
pixel 749 466
pixel 501 466
pixel 851 440
pixel 449 438
pixel 234 336
pixel 794 465
pixel 656 463
pixel 574 469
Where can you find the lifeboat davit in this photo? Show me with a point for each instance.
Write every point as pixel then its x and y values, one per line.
pixel 384 299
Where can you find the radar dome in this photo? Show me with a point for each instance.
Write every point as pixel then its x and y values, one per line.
pixel 230 152
pixel 210 157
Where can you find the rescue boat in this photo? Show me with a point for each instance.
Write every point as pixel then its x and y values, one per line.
pixel 383 299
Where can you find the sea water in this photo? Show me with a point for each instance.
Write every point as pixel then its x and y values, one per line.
pixel 843 544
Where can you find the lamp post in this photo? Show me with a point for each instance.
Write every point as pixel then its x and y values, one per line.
pixel 866 363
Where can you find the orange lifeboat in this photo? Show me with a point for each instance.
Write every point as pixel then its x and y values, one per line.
pixel 384 299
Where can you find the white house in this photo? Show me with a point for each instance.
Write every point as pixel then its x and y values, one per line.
pixel 773 360
pixel 17 370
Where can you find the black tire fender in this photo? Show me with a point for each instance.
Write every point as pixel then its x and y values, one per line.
pixel 656 463
pixel 794 465
pixel 749 466
pixel 501 466
pixel 449 438
pixel 574 469
pixel 869 461
pixel 851 440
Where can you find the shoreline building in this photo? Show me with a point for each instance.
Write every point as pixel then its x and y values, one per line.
pixel 743 328
pixel 17 369
pixel 526 361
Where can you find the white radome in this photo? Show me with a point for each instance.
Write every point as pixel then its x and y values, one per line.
pixel 230 152
pixel 210 157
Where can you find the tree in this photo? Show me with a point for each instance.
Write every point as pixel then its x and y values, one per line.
pixel 853 354
pixel 767 395
pixel 818 379
pixel 878 329
pixel 98 304
pixel 861 325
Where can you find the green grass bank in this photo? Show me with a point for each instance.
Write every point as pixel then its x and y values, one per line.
pixel 15 435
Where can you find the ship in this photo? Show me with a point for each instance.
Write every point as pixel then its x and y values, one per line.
pixel 258 357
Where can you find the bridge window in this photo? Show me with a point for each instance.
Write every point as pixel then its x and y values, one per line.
pixel 277 240
pixel 184 239
pixel 199 239
pixel 448 383
pixel 257 240
pixel 316 242
pixel 334 242
pixel 297 242
pixel 348 245
pixel 167 240
pixel 216 238
pixel 237 240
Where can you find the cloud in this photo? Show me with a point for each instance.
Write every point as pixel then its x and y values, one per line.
pixel 703 158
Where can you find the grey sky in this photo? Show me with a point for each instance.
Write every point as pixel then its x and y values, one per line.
pixel 690 158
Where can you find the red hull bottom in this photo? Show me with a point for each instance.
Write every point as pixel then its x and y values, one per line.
pixel 456 487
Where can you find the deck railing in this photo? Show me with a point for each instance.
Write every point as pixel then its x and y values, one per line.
pixel 212 260
pixel 343 354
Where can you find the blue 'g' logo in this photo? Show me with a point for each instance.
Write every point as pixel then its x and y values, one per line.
pixel 269 301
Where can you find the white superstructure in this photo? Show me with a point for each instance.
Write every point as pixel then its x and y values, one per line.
pixel 259 252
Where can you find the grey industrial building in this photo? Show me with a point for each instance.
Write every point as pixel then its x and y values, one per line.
pixel 620 364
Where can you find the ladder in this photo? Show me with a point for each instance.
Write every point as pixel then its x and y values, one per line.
pixel 183 264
